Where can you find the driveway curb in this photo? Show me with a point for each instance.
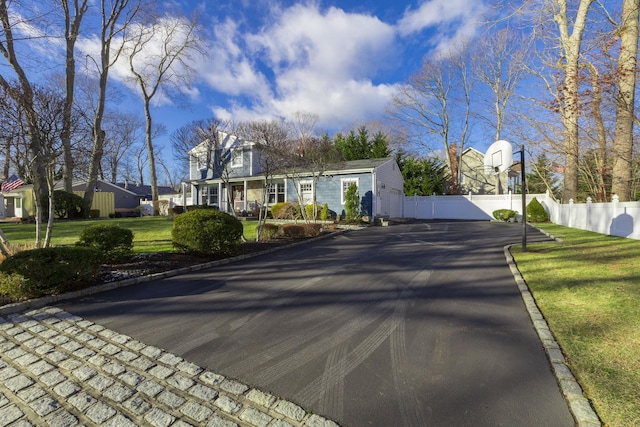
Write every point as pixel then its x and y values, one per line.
pixel 579 405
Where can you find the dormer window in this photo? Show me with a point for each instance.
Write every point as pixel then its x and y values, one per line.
pixel 236 159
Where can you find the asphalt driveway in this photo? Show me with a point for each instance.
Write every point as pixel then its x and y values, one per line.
pixel 417 324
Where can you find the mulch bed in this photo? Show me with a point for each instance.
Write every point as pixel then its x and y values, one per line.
pixel 145 264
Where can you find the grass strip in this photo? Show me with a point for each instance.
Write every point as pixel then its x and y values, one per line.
pixel 150 234
pixel 588 289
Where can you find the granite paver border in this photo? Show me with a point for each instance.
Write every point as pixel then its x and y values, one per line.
pixel 579 405
pixel 61 370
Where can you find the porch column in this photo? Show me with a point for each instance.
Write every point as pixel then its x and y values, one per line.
pixel 246 195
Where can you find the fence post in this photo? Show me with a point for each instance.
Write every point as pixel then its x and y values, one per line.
pixel 589 206
pixel 614 213
pixel 433 205
pixel 570 212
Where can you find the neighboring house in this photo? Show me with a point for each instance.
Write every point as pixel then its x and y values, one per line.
pixel 474 179
pixel 379 182
pixel 144 191
pixel 19 202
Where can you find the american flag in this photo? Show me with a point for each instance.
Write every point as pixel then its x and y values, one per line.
pixel 12 183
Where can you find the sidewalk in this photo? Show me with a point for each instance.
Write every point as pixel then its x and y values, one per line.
pixel 63 370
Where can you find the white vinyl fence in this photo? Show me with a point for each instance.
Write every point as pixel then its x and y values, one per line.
pixel 467 207
pixel 615 218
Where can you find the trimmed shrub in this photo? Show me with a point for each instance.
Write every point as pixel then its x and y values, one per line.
pixel 268 231
pixel 13 286
pixel 67 205
pixel 206 232
pixel 283 210
pixel 536 212
pixel 325 214
pixel 309 211
pixel 293 231
pixel 94 213
pixel 113 241
pixel 312 230
pixel 50 271
pixel 504 214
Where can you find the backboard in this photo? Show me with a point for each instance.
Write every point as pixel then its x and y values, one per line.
pixel 498 158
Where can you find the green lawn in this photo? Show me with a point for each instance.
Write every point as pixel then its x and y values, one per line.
pixel 588 288
pixel 150 234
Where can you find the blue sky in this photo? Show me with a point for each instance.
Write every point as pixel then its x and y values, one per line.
pixel 341 60
pixel 338 59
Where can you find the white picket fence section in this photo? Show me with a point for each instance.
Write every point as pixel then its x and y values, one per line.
pixel 615 218
pixel 466 207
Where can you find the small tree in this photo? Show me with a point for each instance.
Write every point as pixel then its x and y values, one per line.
pixel 352 203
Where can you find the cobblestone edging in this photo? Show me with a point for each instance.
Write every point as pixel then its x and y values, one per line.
pixel 61 370
pixel 579 406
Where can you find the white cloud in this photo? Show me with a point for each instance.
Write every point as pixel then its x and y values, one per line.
pixel 227 68
pixel 450 22
pixel 320 62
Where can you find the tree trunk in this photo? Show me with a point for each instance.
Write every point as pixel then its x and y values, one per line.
pixel 152 157
pixel 623 142
pixel 570 106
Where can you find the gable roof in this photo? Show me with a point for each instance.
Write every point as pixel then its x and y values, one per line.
pixel 144 190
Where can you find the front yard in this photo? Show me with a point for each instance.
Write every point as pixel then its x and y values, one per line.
pixel 588 289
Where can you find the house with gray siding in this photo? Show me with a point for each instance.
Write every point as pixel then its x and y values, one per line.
pixel 239 183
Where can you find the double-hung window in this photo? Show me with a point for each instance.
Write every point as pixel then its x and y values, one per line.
pixel 276 193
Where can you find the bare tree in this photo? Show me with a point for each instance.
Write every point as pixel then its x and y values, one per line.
pixel 625 100
pixel 122 131
pixel 23 95
pixel 116 17
pixel 159 57
pixel 498 63
pixel 437 102
pixel 73 15
pixel 271 139
pixel 570 32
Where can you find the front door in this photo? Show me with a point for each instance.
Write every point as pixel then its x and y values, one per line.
pixel 9 208
pixel 238 197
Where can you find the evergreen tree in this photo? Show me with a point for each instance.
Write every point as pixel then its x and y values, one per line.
pixel 358 145
pixel 422 177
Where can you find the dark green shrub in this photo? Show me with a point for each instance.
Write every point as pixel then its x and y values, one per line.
pixel 50 271
pixel 268 231
pixel 94 213
pixel 505 214
pixel 283 210
pixel 67 205
pixel 113 241
pixel 325 214
pixel 352 203
pixel 207 232
pixel 536 212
